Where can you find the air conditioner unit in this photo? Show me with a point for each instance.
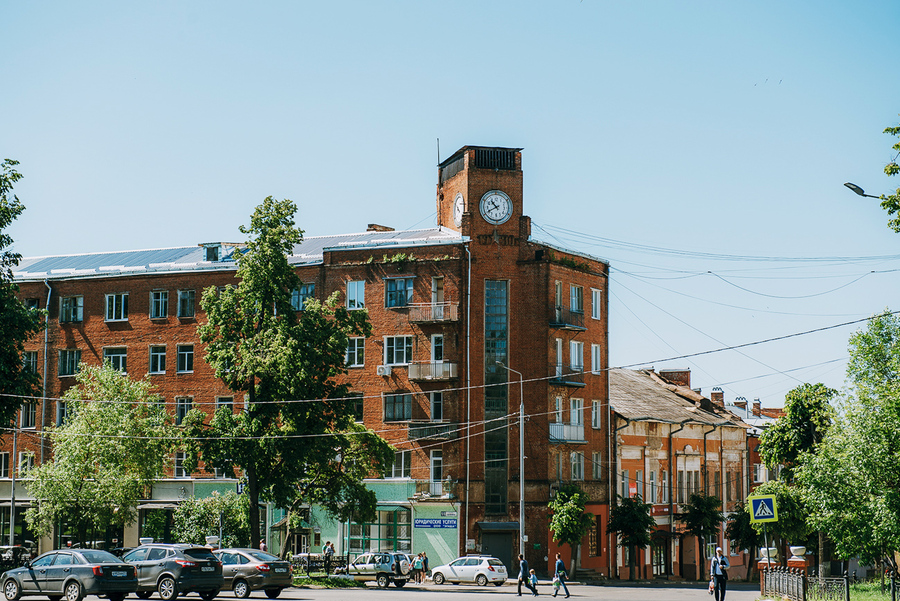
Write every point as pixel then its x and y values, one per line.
pixel 383 370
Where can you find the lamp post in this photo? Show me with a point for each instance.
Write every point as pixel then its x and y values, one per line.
pixel 521 457
pixel 859 190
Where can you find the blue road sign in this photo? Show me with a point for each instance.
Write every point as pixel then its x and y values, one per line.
pixel 763 509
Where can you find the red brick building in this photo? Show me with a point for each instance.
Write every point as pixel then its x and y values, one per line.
pixel 452 308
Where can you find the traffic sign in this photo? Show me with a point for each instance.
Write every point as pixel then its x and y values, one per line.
pixel 763 509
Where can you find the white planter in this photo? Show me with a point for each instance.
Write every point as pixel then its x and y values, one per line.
pixel 797 552
pixel 769 553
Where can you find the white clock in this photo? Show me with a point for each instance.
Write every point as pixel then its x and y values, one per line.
pixel 459 207
pixel 496 207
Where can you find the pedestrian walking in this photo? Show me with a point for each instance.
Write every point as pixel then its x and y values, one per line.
pixel 534 581
pixel 524 576
pixel 561 575
pixel 328 551
pixel 425 565
pixel 263 546
pixel 417 568
pixel 718 571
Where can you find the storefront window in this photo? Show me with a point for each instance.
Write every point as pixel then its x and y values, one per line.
pixel 391 532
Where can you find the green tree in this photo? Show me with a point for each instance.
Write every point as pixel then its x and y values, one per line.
pixel 741 531
pixel 18 323
pixel 568 521
pixel 297 436
pixel 106 455
pixel 702 517
pixel 807 416
pixel 630 519
pixel 852 484
pixel 891 202
pixel 791 527
pixel 196 518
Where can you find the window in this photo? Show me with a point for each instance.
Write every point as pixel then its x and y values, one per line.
pixel 299 296
pixel 26 463
pixel 664 486
pixel 157 359
pixel 62 412
pixel 437 406
pixel 183 404
pixel 596 418
pixel 437 348
pixel 651 485
pixel 4 465
pixel 117 307
pixel 116 357
pixel 596 466
pixel 356 295
pixel 29 415
pixel 159 304
pixel 679 495
pixel 185 358
pixel 397 350
pixel 578 466
pixel 759 472
pixel 71 308
pixel 576 355
pixel 401 466
pixel 32 303
pixel 356 352
pixel 639 480
pixel 557 410
pixel 576 299
pixel 596 359
pixel 717 486
pixel 397 407
pixel 398 292
pixel 225 402
pixel 559 357
pixel 358 406
pixel 68 362
pixel 596 303
pixel 30 361
pixel 179 466
pixel 576 412
pixel 625 483
pixel 186 303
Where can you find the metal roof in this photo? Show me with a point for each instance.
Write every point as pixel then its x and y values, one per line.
pixel 642 396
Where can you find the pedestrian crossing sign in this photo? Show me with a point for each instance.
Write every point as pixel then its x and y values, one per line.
pixel 763 509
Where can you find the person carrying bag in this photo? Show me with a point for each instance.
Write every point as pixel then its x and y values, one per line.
pixel 718 572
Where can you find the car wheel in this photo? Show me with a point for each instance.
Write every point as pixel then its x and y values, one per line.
pixel 209 595
pixel 143 594
pixel 481 580
pixel 399 583
pixel 382 581
pixel 73 592
pixel 12 590
pixel 272 593
pixel 438 578
pixel 241 589
pixel 167 588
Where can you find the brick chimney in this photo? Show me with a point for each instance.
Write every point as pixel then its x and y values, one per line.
pixel 680 377
pixel 757 407
pixel 741 402
pixel 717 397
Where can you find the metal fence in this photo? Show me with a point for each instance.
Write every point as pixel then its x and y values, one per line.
pixel 795 585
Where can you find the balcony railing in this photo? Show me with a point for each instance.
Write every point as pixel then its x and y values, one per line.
pixel 433 430
pixel 433 312
pixel 432 371
pixel 566 375
pixel 565 318
pixel 561 432
pixel 434 488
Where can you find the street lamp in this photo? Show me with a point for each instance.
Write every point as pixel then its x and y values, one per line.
pixel 859 190
pixel 521 457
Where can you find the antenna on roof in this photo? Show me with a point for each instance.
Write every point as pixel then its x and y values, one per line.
pixel 439 150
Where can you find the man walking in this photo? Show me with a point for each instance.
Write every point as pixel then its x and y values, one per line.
pixel 328 552
pixel 523 577
pixel 717 571
pixel 561 574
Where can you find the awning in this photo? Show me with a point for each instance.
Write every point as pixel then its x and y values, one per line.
pixel 495 526
pixel 158 506
pixel 392 507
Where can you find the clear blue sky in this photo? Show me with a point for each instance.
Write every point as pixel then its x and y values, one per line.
pixel 701 128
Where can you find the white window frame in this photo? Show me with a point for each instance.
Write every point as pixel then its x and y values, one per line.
pixel 401 468
pixel 356 352
pixel 395 399
pixel 28 415
pixel 185 366
pixel 557 410
pixel 664 486
pixel 596 465
pixel 30 361
pixel 576 412
pixel 117 306
pixel 577 459
pixel 26 461
pixel 186 304
pixel 626 489
pixel 178 466
pixel 62 412
pixel 559 357
pixel 225 401
pixel 117 357
pixel 651 486
pixel 158 357
pixel 437 348
pixel 159 304
pixel 4 466
pixel 596 415
pixel 437 406
pixel 70 359
pixel 639 480
pixel 596 303
pixel 596 359
pixel 71 309
pixel 576 351
pixel 576 298
pixel 398 292
pixel 183 404
pixel 395 356
pixel 356 294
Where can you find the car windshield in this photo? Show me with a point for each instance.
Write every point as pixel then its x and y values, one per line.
pixel 200 553
pixel 263 556
pixel 100 557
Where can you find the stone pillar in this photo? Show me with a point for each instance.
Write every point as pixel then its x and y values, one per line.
pixel 761 566
pixel 800 563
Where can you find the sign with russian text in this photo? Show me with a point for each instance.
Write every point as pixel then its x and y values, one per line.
pixel 763 509
pixel 434 523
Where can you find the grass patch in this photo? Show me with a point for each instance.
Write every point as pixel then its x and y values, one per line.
pixel 323 582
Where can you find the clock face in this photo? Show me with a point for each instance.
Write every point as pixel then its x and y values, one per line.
pixel 459 207
pixel 496 207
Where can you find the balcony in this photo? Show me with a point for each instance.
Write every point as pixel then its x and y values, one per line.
pixel 433 312
pixel 432 372
pixel 433 430
pixel 564 318
pixel 566 375
pixel 441 489
pixel 562 432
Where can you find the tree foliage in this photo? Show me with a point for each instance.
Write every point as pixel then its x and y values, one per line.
pixel 196 518
pixel 297 437
pixel 852 484
pixel 17 322
pixel 630 519
pixel 792 526
pixel 112 446
pixel 702 517
pixel 568 521
pixel 807 416
pixel 740 530
pixel 891 202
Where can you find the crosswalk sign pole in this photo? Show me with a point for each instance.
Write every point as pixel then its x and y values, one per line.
pixel 766 540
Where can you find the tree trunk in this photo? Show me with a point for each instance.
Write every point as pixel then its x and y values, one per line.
pixel 632 551
pixel 574 563
pixel 822 573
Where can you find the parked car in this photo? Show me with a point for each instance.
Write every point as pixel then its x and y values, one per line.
pixel 71 573
pixel 383 568
pixel 247 570
pixel 174 570
pixel 480 569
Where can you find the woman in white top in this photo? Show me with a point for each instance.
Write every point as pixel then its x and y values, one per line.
pixel 718 567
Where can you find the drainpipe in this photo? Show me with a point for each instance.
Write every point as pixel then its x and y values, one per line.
pixel 46 352
pixel 613 548
pixel 468 393
pixel 705 470
pixel 673 469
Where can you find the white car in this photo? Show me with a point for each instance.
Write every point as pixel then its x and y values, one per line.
pixel 480 569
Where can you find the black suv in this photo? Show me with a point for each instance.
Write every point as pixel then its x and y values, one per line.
pixel 176 570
